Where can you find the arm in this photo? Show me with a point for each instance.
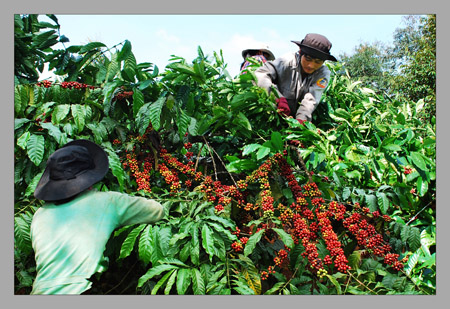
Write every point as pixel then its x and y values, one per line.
pixel 312 98
pixel 306 108
pixel 135 209
pixel 267 76
pixel 280 76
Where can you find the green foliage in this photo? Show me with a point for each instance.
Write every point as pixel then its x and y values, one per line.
pixel 363 150
pixel 191 237
pixel 405 70
pixel 31 41
pixel 369 64
pixel 24 264
pixel 417 77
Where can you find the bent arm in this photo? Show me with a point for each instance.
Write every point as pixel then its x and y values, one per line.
pixel 136 209
pixel 312 98
pixel 267 76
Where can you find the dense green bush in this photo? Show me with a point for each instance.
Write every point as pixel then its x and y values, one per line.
pixel 255 203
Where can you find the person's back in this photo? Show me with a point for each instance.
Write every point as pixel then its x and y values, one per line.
pixel 70 231
pixel 79 231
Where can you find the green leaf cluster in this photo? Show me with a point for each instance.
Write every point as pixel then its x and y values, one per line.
pixel 361 147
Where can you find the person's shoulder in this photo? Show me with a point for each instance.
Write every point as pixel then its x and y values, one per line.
pixel 103 195
pixel 284 62
pixel 118 196
pixel 111 198
pixel 323 71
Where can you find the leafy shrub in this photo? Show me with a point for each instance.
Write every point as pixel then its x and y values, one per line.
pixel 255 203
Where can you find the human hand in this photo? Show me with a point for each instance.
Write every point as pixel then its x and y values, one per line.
pixel 283 106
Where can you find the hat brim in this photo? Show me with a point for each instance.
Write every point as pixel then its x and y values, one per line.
pixel 271 55
pixel 50 190
pixel 315 52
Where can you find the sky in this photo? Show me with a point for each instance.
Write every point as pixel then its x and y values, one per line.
pixel 155 38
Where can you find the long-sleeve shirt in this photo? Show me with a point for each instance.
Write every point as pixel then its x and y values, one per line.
pixel 302 93
pixel 69 239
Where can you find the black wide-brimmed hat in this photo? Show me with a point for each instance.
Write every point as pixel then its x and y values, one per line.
pixel 317 46
pixel 72 169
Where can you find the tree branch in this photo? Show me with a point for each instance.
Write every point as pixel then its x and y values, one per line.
pixel 302 163
pixel 212 157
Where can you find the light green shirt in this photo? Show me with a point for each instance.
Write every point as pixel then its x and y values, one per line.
pixel 69 239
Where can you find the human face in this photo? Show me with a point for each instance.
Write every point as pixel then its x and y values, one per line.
pixel 310 64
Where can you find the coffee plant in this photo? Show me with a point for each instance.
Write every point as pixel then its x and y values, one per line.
pixel 255 203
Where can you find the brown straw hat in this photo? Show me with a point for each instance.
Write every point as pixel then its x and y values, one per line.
pixel 317 46
pixel 72 169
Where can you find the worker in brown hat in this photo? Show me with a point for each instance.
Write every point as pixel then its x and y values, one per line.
pixel 70 231
pixel 299 78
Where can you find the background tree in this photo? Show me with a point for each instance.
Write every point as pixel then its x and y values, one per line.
pixel 406 41
pixel 407 69
pixel 368 64
pixel 415 49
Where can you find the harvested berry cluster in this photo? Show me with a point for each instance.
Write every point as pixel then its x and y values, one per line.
pixel 45 84
pixel 407 170
pixel 140 170
pixel 75 85
pixel 122 95
pixel 309 219
pixel 141 164
pixel 65 85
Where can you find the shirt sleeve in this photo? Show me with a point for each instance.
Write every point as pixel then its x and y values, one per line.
pixel 267 76
pixel 312 98
pixel 135 209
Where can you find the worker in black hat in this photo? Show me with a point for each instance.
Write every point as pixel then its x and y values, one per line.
pixel 70 231
pixel 300 78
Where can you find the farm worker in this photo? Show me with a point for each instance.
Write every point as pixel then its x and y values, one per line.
pixel 299 78
pixel 259 51
pixel 70 231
